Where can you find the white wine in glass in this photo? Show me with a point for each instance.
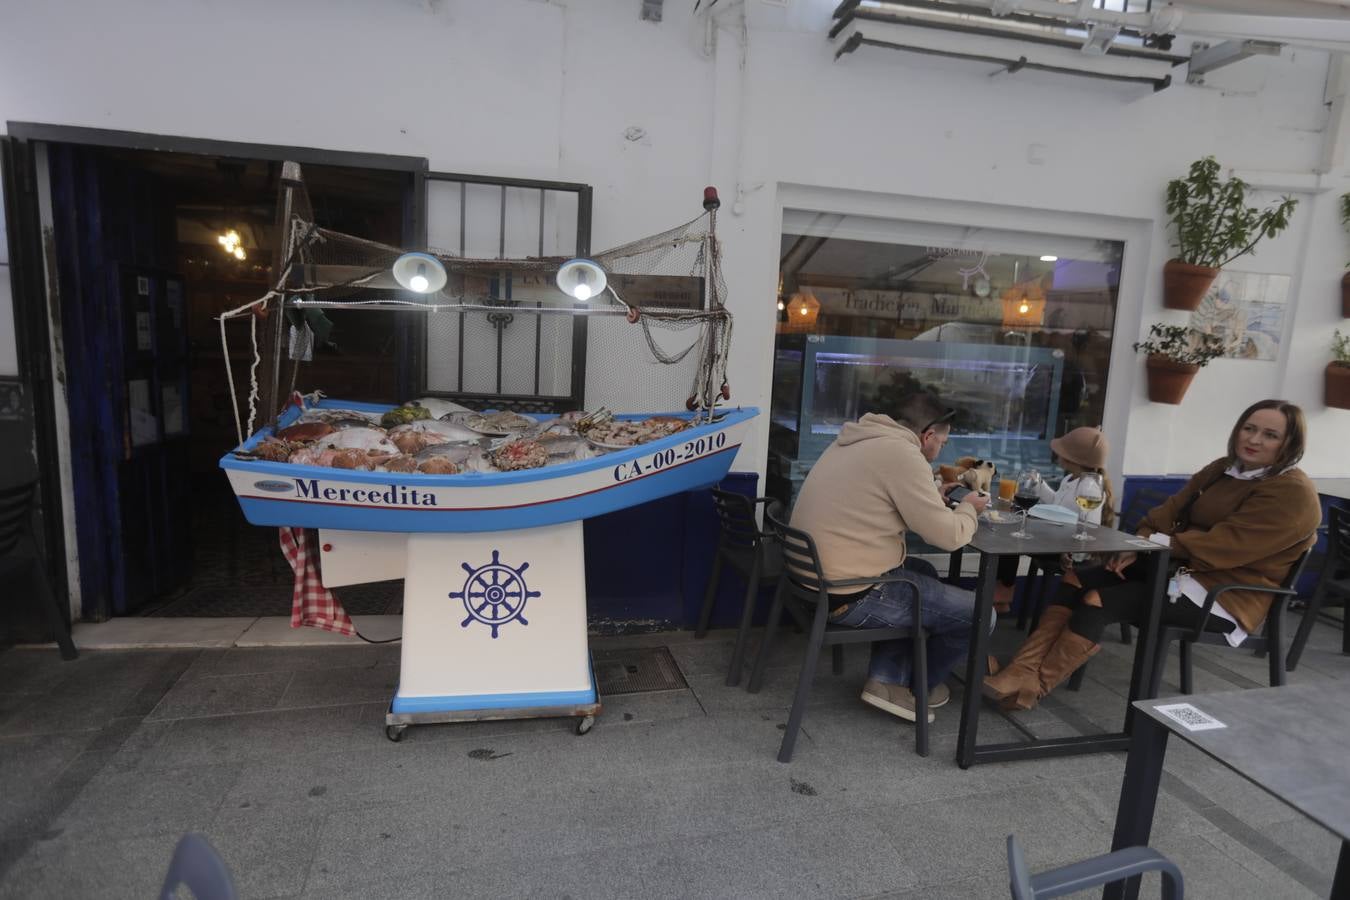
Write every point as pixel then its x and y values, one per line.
pixel 1090 493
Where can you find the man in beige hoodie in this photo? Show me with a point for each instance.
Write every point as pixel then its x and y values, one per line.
pixel 870 487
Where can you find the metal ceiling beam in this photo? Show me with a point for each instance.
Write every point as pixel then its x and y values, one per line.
pixel 1206 58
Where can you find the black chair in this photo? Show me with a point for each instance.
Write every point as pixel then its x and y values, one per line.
pixel 197 866
pixel 1089 873
pixel 803 590
pixel 752 553
pixel 20 553
pixel 1268 642
pixel 1334 580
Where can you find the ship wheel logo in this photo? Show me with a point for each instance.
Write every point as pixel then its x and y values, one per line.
pixel 494 594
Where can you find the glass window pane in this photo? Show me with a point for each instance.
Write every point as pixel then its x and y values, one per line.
pixel 1013 329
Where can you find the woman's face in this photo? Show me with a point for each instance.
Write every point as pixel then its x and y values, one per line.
pixel 1260 438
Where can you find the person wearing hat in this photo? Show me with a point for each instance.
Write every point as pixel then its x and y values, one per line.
pixel 1081 450
pixel 1245 519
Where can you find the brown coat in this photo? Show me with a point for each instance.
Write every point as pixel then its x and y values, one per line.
pixel 870 487
pixel 1241 532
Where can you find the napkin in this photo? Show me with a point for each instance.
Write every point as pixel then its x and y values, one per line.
pixel 1060 515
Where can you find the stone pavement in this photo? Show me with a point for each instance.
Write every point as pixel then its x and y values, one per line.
pixel 279 757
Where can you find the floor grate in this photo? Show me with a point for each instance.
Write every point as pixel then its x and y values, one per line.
pixel 636 670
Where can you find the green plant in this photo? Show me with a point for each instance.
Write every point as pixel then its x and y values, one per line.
pixel 1181 344
pixel 1214 224
pixel 1340 349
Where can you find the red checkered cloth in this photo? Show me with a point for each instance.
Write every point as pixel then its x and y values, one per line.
pixel 312 604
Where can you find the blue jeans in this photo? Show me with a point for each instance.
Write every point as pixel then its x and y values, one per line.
pixel 947 615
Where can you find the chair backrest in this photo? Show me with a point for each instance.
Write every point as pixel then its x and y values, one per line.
pixel 801 561
pixel 1338 536
pixel 1296 570
pixel 1019 877
pixel 16 510
pixel 1141 501
pixel 198 866
pixel 736 514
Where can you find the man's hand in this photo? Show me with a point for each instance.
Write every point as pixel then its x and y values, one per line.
pixel 1120 562
pixel 977 500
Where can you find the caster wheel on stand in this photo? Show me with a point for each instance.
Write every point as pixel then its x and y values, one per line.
pixel 395 732
pixel 585 725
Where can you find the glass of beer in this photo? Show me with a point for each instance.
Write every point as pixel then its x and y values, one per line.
pixel 1007 488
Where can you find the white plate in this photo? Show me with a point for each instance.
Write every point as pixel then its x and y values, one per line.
pixel 996 517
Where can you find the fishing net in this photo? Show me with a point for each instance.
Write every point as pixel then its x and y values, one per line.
pixel 500 333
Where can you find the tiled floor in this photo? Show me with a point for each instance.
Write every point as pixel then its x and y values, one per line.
pixel 278 755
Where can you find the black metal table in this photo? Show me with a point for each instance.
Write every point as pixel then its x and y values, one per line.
pixel 995 541
pixel 1290 741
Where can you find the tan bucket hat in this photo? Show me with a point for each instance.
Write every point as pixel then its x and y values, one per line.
pixel 1084 446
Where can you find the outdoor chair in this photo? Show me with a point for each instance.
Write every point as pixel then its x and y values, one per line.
pixel 1268 642
pixel 752 553
pixel 1089 873
pixel 804 592
pixel 1334 580
pixel 20 553
pixel 197 866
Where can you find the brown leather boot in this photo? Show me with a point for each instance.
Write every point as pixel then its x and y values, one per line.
pixel 1064 658
pixel 1019 681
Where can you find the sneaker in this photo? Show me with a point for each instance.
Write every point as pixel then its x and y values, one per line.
pixel 938 696
pixel 892 698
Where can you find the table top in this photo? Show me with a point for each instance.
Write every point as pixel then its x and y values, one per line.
pixel 1049 537
pixel 1293 741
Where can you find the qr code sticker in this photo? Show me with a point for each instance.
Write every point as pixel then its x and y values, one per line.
pixel 1190 718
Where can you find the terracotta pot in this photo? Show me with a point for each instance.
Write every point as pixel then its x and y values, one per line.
pixel 1168 380
pixel 1338 385
pixel 1184 285
pixel 1345 296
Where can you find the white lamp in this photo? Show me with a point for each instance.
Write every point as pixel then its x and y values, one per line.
pixel 419 272
pixel 581 279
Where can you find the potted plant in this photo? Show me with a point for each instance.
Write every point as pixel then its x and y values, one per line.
pixel 1338 372
pixel 1345 279
pixel 1175 354
pixel 1214 227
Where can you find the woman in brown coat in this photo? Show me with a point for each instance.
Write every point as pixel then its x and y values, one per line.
pixel 1244 519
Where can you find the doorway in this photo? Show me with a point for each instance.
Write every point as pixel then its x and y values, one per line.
pixel 145 247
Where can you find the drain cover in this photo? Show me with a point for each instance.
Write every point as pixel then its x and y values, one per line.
pixel 636 670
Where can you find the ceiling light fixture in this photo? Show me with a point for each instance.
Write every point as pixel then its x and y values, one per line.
pixel 231 243
pixel 1049 258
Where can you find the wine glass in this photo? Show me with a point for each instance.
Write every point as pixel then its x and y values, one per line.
pixel 1025 497
pixel 1090 493
pixel 1028 492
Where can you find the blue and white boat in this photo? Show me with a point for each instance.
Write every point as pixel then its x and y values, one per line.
pixel 284 494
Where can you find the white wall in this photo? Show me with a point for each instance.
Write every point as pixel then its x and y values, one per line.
pixel 537 89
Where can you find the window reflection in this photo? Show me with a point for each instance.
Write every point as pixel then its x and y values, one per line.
pixel 1012 329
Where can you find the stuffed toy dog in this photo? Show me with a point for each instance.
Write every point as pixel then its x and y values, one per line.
pixel 976 474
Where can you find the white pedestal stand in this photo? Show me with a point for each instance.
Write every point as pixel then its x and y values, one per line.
pixel 494 623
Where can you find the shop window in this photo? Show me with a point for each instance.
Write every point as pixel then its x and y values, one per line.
pixel 1013 329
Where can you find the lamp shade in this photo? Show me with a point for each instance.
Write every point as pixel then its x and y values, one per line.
pixel 581 279
pixel 419 272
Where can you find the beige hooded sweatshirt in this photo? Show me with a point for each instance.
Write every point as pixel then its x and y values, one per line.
pixel 867 489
